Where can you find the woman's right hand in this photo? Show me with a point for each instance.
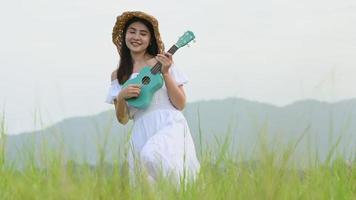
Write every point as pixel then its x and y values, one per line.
pixel 132 90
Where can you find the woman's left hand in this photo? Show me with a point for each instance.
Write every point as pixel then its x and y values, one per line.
pixel 166 61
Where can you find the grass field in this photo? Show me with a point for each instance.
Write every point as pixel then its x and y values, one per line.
pixel 275 173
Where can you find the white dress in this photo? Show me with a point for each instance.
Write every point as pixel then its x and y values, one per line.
pixel 161 139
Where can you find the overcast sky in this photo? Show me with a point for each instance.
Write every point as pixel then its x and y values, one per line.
pixel 57 56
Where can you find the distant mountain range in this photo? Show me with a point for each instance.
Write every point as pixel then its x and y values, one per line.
pixel 241 123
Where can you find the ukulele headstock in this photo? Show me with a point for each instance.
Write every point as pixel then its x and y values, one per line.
pixel 187 37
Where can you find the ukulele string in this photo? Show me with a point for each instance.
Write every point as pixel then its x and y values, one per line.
pixel 154 70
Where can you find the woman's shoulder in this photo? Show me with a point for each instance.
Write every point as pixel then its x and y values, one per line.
pixel 114 75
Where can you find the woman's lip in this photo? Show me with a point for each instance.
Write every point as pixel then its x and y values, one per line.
pixel 135 43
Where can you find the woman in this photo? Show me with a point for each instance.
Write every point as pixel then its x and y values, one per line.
pixel 161 141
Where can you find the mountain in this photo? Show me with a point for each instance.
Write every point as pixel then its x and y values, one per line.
pixel 241 123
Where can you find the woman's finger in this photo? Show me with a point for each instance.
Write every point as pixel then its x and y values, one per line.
pixel 161 60
pixel 168 55
pixel 164 59
pixel 134 86
pixel 135 90
pixel 162 56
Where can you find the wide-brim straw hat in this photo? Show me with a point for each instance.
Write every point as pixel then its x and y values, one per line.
pixel 118 36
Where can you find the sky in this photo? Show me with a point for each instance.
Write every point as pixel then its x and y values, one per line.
pixel 57 56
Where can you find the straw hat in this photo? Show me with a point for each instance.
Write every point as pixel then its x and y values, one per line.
pixel 118 35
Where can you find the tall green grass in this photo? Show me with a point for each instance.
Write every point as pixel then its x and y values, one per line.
pixel 274 173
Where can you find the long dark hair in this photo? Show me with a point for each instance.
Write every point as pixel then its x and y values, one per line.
pixel 126 62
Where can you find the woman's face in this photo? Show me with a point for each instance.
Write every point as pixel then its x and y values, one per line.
pixel 137 37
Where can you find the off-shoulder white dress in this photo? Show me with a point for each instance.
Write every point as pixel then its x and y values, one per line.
pixel 161 139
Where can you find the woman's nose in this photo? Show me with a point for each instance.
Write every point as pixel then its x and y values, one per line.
pixel 136 36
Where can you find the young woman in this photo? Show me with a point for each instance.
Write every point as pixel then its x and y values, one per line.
pixel 161 141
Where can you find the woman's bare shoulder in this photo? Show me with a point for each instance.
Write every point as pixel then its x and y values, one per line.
pixel 114 75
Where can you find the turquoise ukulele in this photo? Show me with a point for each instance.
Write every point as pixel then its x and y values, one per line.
pixel 150 78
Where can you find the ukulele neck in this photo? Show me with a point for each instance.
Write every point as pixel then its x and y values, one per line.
pixel 158 66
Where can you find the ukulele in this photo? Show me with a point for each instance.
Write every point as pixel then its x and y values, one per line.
pixel 150 79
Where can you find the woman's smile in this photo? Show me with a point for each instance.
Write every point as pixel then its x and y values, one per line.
pixel 135 44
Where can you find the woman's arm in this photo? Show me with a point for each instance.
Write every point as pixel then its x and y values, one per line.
pixel 176 93
pixel 121 109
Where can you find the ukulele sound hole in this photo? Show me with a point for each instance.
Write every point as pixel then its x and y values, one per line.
pixel 146 80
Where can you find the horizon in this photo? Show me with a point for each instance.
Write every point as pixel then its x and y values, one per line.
pixel 51 124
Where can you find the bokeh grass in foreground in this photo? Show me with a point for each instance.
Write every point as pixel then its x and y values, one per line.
pixel 273 175
pixel 271 172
